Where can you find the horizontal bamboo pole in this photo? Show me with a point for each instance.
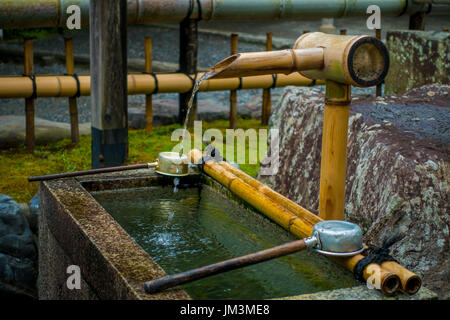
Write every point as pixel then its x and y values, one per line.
pixel 388 277
pixel 259 201
pixel 299 211
pixel 66 86
pixel 54 13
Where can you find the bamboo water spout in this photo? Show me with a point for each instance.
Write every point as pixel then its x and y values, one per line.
pixel 361 61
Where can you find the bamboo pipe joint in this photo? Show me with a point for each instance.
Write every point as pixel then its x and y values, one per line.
pixel 362 61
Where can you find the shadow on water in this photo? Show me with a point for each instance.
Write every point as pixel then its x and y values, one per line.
pixel 198 226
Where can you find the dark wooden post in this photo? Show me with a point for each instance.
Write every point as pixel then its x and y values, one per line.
pixel 108 35
pixel 266 98
pixel 188 65
pixel 417 21
pixel 378 36
pixel 233 93
pixel 29 102
pixel 73 110
pixel 148 97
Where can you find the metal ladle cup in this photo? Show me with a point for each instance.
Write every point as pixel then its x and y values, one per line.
pixel 332 237
pixel 336 238
pixel 172 164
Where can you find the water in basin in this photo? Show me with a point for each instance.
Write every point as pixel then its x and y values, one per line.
pixel 199 226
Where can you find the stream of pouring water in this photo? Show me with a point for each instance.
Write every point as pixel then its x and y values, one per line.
pixel 190 103
pixel 176 181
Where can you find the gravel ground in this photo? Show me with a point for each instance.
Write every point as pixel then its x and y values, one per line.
pixel 212 48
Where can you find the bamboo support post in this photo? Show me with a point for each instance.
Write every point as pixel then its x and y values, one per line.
pixel 29 101
pixel 281 212
pixel 265 113
pixel 73 110
pixel 334 151
pixel 148 97
pixel 379 86
pixel 233 93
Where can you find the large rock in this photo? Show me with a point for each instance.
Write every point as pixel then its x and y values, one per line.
pixel 397 176
pixel 17 251
pixel 417 58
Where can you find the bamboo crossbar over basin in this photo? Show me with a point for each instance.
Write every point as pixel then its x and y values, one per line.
pixel 300 221
pixel 66 86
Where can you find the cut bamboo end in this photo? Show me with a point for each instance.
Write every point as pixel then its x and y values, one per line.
pixel 410 282
pixel 390 283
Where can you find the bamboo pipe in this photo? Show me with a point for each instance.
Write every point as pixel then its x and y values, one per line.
pixel 388 280
pixel 361 61
pixel 53 13
pixel 233 93
pixel 73 110
pixel 66 86
pixel 259 201
pixel 262 63
pixel 334 151
pixel 148 97
pixel 29 101
pixel 296 209
pixel 410 282
pixel 302 228
pixel 170 281
pixel 265 114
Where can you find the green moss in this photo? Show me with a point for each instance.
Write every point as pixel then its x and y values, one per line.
pixel 17 35
pixel 17 164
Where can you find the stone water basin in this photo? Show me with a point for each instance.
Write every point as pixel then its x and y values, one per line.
pixel 123 229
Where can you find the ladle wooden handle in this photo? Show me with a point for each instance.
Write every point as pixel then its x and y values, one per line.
pixel 220 267
pixel 92 171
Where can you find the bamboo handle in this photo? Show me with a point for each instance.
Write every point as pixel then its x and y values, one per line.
pixel 92 171
pixel 220 267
